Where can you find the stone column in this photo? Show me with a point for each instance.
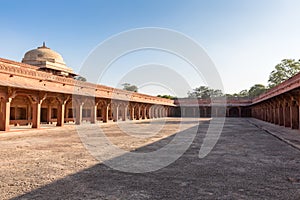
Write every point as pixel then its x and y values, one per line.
pixel 138 112
pixel 277 113
pixel 104 113
pixel 36 114
pixel 287 122
pixel 272 114
pixel 60 114
pixel 124 113
pixel 155 114
pixel 78 108
pixel 115 113
pixel 153 111
pixel 66 112
pixel 5 113
pixel 158 113
pixel 144 113
pixel 149 112
pixel 132 113
pixel 294 109
pixel 49 109
pixel 94 113
pixel 110 112
pixel 282 114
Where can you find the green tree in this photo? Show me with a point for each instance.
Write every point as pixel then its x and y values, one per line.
pixel 166 96
pixel 256 90
pixel 283 71
pixel 243 93
pixel 205 92
pixel 129 87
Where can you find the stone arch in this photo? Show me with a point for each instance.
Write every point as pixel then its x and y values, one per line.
pixel 20 110
pixel 49 110
pixel 234 112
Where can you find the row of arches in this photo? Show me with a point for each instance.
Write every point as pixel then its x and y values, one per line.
pixel 216 111
pixel 282 110
pixel 34 108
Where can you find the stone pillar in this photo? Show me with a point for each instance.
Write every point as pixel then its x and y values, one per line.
pixel 104 113
pixel 287 121
pixel 166 112
pixel 138 112
pixel 49 109
pixel 78 108
pixel 153 111
pixel 280 115
pixel 115 113
pixel 272 114
pixel 144 113
pixel 131 113
pixel 5 113
pixel 149 112
pixel 36 114
pixel 294 116
pixel 124 113
pixel 60 114
pixel 94 113
pixel 110 112
pixel 28 112
pixel 268 114
pixel 158 112
pixel 66 112
pixel 277 113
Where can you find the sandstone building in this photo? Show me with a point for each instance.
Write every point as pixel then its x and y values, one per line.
pixel 42 89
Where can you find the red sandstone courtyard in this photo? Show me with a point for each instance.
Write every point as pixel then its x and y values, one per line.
pixel 43 107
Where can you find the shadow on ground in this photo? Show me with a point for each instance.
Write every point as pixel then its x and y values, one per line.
pixel 246 163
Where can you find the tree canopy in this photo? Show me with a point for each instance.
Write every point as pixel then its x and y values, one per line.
pixel 166 96
pixel 129 87
pixel 205 92
pixel 256 90
pixel 283 71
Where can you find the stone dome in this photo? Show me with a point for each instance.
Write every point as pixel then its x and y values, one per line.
pixel 48 60
pixel 43 53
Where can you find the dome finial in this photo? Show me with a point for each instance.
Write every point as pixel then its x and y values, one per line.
pixel 44 44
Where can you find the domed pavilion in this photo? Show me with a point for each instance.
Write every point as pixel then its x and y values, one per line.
pixel 48 60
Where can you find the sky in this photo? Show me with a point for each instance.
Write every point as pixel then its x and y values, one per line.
pixel 245 39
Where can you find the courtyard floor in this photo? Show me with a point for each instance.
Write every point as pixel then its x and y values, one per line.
pixel 246 163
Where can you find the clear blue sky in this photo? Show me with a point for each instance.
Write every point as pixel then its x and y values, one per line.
pixel 245 38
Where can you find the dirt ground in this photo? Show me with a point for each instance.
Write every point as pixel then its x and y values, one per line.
pixel 247 162
pixel 34 158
